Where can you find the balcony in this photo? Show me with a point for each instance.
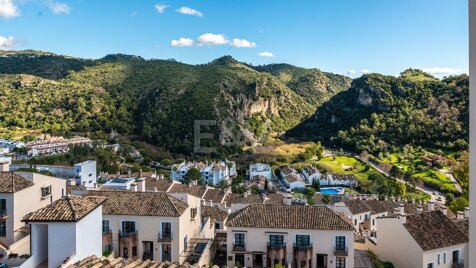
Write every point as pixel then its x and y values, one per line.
pixel 276 245
pixel 106 232
pixel 302 247
pixel 239 247
pixel 165 237
pixel 127 233
pixel 341 251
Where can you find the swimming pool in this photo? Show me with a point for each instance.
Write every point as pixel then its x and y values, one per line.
pixel 335 190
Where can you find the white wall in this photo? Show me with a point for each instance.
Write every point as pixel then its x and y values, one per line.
pixel 89 235
pixel 61 242
pixel 256 239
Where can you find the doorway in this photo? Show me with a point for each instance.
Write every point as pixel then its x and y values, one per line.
pixel 321 260
pixel 148 247
pixel 258 260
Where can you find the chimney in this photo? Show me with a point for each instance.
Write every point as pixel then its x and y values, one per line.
pixel 140 172
pixel 204 202
pixel 403 218
pixel 211 203
pixel 396 210
pixel 466 212
pixel 228 211
pixel 399 199
pixel 459 215
pixel 431 206
pixel 401 208
pixel 161 176
pixel 5 166
pixel 444 210
pixel 155 189
pixel 245 194
pixel 419 209
pixel 141 184
pixel 134 187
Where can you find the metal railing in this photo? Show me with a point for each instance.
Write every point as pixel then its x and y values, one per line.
pixel 341 251
pixel 303 246
pixel 167 236
pixel 277 245
pixel 127 233
pixel 105 232
pixel 239 247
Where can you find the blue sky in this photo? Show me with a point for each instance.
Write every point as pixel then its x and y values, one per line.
pixel 342 36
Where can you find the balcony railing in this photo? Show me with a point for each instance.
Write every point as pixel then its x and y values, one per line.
pixel 165 236
pixel 276 245
pixel 106 232
pixel 341 251
pixel 239 247
pixel 302 246
pixel 127 233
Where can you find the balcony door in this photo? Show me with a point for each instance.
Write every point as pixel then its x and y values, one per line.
pixel 321 260
pixel 148 250
pixel 128 227
pixel 166 231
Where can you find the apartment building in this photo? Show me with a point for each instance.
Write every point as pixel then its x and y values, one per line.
pixel 260 170
pixel 427 240
pixel 212 173
pixel 20 194
pixel 151 225
pixel 292 178
pixel 299 236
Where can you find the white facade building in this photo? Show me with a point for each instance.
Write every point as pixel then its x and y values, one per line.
pixel 260 169
pixel 311 174
pixel 212 173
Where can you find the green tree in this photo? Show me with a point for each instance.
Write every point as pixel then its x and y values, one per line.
pixel 192 174
pixel 326 199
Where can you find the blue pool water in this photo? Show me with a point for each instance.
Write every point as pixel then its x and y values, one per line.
pixel 332 190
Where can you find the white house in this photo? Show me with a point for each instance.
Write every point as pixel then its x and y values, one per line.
pixel 299 236
pixel 65 231
pixel 83 173
pixel 311 174
pixel 342 179
pixel 20 194
pixel 292 178
pixel 260 169
pixel 422 240
pixel 212 173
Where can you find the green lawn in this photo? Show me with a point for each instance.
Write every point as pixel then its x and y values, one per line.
pixel 431 177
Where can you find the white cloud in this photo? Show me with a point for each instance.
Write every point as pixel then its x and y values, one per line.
pixel 365 71
pixel 60 8
pixel 8 10
pixel 189 11
pixel 182 42
pixel 7 42
pixel 442 70
pixel 160 8
pixel 210 39
pixel 266 54
pixel 236 42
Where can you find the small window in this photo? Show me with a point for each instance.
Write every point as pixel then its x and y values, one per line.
pixel 303 240
pixel 340 262
pixel 3 228
pixel 193 213
pixel 438 258
pixel 430 265
pixel 444 257
pixel 105 227
pixel 134 251
pixel 45 191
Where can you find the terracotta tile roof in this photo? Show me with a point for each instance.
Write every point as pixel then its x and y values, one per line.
pixel 432 230
pixel 12 183
pixel 258 178
pixel 107 262
pixel 214 213
pixel 311 170
pixel 216 195
pixel 277 199
pixel 140 203
pixel 65 209
pixel 293 178
pixel 343 177
pixel 289 217
pixel 463 225
pixel 70 188
pixel 357 206
pixel 162 185
pixel 233 198
pixel 287 170
pixel 195 190
pixel 333 199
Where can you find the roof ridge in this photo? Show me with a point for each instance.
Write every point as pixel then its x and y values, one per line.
pixel 173 204
pixel 73 208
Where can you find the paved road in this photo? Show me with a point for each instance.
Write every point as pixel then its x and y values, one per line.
pixel 452 178
pixel 433 193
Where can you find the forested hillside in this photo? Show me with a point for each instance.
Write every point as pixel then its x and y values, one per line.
pixel 158 100
pixel 379 112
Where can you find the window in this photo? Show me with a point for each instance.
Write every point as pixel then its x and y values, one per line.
pixel 3 206
pixel 134 251
pixel 3 228
pixel 430 265
pixel 444 257
pixel 217 225
pixel 355 221
pixel 193 213
pixel 166 252
pixel 105 227
pixel 45 191
pixel 276 240
pixel 166 230
pixel 128 227
pixel 185 241
pixel 438 258
pixel 303 240
pixel 240 258
pixel 125 253
pixel 373 221
pixel 340 242
pixel 239 239
pixel 340 262
pixel 107 248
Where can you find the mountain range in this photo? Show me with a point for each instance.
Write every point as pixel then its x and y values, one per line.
pixel 162 102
